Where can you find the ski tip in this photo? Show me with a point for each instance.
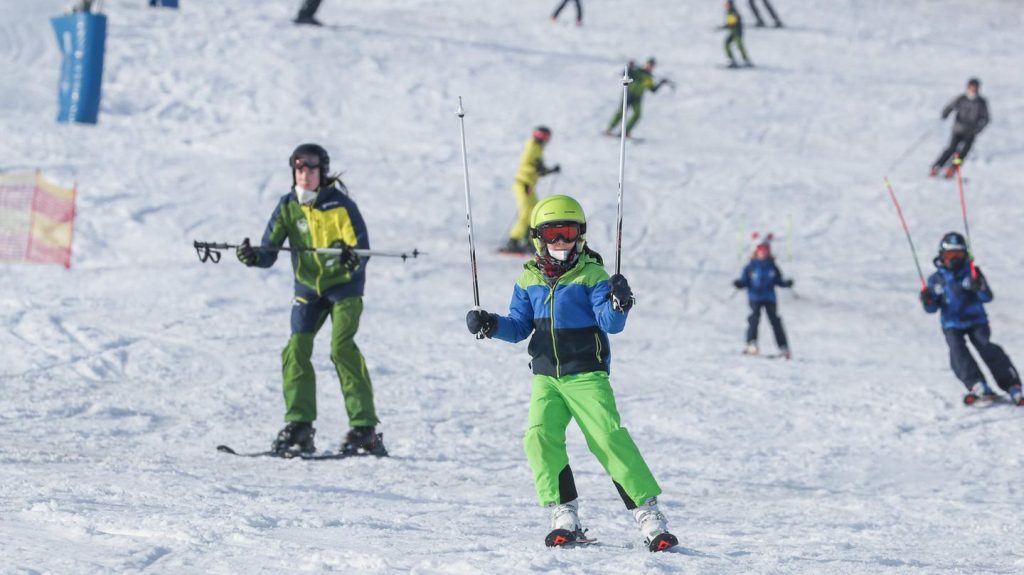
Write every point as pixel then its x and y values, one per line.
pixel 559 537
pixel 226 449
pixel 663 542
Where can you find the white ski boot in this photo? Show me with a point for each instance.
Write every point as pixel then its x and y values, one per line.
pixel 565 525
pixel 653 526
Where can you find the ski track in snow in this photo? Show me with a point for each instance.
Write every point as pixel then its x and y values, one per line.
pixel 122 375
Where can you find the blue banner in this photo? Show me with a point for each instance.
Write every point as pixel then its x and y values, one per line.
pixel 82 38
pixel 164 3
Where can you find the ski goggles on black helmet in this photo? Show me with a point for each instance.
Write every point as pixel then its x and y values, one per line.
pixel 309 161
pixel 559 231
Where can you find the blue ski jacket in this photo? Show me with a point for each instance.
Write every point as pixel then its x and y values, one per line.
pixel 760 278
pixel 570 319
pixel 961 307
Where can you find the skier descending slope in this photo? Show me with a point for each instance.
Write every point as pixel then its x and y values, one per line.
pixel 959 290
pixel 759 278
pixel 317 213
pixel 566 300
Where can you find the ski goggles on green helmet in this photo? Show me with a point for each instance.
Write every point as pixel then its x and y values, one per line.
pixel 559 231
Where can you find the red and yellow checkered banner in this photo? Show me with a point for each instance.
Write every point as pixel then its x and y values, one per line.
pixel 36 220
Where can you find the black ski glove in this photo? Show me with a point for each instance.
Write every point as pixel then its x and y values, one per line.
pixel 556 169
pixel 246 253
pixel 620 293
pixel 347 259
pixel 786 283
pixel 977 282
pixel 927 297
pixel 738 284
pixel 482 323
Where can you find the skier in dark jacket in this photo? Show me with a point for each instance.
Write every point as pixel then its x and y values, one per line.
pixel 643 80
pixel 971 118
pixel 771 11
pixel 317 213
pixel 760 277
pixel 959 290
pixel 734 24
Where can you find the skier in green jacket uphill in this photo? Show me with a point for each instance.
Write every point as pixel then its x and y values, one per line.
pixel 643 80
pixel 317 213
pixel 734 24
pixel 570 305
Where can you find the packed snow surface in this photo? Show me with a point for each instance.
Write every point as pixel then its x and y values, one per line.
pixel 120 376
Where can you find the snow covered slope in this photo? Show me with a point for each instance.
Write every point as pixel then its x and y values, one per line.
pixel 120 376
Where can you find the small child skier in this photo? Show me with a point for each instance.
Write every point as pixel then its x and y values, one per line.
pixel 959 290
pixel 566 300
pixel 760 277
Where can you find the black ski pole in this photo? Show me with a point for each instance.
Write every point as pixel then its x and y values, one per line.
pixel 920 140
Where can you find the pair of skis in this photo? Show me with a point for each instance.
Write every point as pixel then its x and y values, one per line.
pixel 570 539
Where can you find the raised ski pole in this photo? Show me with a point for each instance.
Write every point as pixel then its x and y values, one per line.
pixel 210 251
pixel 461 113
pixel 906 231
pixel 963 209
pixel 622 168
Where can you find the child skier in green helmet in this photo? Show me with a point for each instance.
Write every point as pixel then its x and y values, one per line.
pixel 566 300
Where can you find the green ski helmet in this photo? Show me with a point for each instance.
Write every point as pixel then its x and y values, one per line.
pixel 555 209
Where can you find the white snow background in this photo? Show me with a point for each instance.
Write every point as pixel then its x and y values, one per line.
pixel 120 376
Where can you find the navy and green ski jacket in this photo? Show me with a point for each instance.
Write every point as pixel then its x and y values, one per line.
pixel 332 217
pixel 570 319
pixel 961 308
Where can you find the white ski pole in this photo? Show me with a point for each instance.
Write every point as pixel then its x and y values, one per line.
pixel 461 113
pixel 622 167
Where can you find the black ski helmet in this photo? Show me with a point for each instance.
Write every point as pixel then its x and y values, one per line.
pixel 952 241
pixel 311 150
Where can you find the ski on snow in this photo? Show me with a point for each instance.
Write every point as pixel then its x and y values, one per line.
pixel 308 457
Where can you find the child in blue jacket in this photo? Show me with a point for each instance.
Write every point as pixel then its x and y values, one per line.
pixel 960 291
pixel 760 277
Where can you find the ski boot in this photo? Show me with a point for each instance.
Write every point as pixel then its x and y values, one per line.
pixel 732 64
pixel 364 441
pixel 1016 397
pixel 933 172
pixel 653 526
pixel 784 353
pixel 980 391
pixel 565 526
pixel 296 439
pixel 751 348
pixel 950 171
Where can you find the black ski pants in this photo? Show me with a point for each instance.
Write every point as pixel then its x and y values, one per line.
pixel 579 9
pixel 755 318
pixel 757 15
pixel 959 143
pixel 309 8
pixel 963 364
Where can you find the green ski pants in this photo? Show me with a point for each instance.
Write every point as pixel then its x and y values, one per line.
pixel 297 365
pixel 738 39
pixel 587 398
pixel 636 107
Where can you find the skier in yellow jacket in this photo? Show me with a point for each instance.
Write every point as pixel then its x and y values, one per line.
pixel 531 169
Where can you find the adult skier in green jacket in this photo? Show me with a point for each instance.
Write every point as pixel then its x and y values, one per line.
pixel 317 213
pixel 643 81
pixel 566 300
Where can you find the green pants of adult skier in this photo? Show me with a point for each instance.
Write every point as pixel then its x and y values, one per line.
pixel 299 378
pixel 738 39
pixel 587 398
pixel 636 106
